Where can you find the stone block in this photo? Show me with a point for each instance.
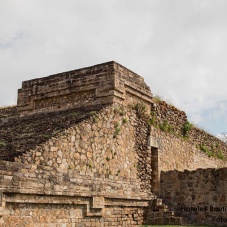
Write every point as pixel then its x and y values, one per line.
pixel 98 202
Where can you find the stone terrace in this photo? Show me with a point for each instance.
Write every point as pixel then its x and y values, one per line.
pixel 105 83
pixel 21 134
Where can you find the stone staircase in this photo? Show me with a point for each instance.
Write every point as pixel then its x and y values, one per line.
pixel 160 214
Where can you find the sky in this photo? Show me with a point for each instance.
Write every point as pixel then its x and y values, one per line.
pixel 178 46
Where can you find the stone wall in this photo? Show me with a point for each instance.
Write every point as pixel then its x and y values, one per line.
pixel 94 173
pixel 170 152
pixel 30 196
pixel 178 153
pixel 101 84
pixel 104 146
pixel 170 119
pixel 199 196
pixel 172 148
pixel 67 215
pixel 8 111
pixel 162 112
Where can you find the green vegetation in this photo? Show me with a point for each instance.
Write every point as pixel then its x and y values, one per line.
pixel 186 129
pixel 95 118
pixel 219 152
pixel 125 120
pixel 118 172
pixel 138 166
pixel 212 153
pixel 54 133
pixel 117 130
pixel 206 150
pixel 140 109
pixel 2 144
pixel 157 98
pixel 92 113
pixel 152 120
pixel 220 155
pixel 113 153
pixel 165 126
pixel 74 114
pixel 90 165
pixel 120 111
pixel 107 159
pixel 119 124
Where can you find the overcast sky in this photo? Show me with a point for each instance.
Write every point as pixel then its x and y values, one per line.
pixel 178 46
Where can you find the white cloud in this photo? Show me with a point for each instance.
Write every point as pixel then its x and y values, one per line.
pixel 178 46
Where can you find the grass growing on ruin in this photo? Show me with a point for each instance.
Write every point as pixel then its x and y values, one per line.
pixel 165 126
pixel 216 153
pixel 117 130
pixel 187 126
pixel 157 98
pixel 2 143
pixel 124 120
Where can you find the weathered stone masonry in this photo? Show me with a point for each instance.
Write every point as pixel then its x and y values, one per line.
pixel 78 167
pixel 199 196
pixel 79 150
pixel 106 83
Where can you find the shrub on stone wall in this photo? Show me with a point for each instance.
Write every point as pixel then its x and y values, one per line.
pixel 186 129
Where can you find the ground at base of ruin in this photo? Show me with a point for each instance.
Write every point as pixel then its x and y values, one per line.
pixel 177 226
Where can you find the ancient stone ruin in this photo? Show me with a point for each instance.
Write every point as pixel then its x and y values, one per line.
pixel 93 147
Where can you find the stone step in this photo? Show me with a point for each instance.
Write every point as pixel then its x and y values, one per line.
pixel 157 202
pixel 160 207
pixel 94 213
pixel 161 210
pixel 161 214
pixel 165 221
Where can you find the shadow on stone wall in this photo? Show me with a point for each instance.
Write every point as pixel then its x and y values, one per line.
pixel 21 134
